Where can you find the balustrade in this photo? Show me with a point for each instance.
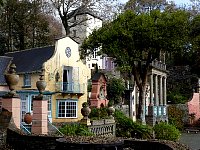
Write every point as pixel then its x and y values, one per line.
pixel 103 130
pixel 70 87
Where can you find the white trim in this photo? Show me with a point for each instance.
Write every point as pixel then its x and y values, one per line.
pixel 65 101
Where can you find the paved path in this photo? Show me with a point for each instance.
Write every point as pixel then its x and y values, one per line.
pixel 191 139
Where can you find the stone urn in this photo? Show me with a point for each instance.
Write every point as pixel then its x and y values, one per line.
pixel 12 79
pixel 41 84
pixel 85 111
pixel 28 118
pixel 111 111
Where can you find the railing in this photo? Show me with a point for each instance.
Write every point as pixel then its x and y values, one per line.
pixel 26 128
pixel 158 64
pixel 70 87
pixel 53 129
pixel 103 127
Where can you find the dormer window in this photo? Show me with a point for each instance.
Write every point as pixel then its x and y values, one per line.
pixel 27 80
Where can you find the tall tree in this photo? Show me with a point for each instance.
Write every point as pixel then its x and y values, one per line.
pixel 140 6
pixel 24 25
pixel 68 9
pixel 136 40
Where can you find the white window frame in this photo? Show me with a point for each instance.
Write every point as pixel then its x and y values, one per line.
pixel 27 80
pixel 49 104
pixel 74 115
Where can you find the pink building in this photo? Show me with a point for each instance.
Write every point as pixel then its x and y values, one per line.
pixel 194 106
pixel 99 92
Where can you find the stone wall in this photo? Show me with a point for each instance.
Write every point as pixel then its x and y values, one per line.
pixel 22 142
pixel 19 141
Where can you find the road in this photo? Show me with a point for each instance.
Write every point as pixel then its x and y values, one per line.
pixel 191 139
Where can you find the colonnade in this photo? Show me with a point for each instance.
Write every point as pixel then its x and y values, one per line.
pixel 158 93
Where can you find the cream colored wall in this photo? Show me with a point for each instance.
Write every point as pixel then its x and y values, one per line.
pixel 56 64
pixel 60 96
pixel 34 79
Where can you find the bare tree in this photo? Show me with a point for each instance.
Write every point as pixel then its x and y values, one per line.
pixel 145 5
pixel 68 9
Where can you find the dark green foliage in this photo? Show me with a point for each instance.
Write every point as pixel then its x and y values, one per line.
pixel 89 87
pixel 24 25
pixel 175 117
pixel 176 98
pixel 75 129
pixel 181 84
pixel 166 131
pixel 125 127
pixel 115 90
pixel 135 40
pixel 98 113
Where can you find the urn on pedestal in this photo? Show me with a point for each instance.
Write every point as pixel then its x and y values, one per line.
pixel 111 111
pixel 41 84
pixel 85 111
pixel 12 80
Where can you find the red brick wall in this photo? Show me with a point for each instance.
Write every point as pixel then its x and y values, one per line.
pixel 194 106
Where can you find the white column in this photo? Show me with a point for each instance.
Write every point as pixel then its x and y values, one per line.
pixel 164 92
pixel 156 91
pixel 151 90
pixel 161 92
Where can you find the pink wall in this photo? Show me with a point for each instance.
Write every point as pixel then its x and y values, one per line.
pixel 95 100
pixel 194 106
pixel 4 88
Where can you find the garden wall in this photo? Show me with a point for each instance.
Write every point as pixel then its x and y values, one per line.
pixel 22 142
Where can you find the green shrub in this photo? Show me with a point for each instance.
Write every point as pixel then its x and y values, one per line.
pixel 75 129
pixel 125 127
pixel 115 90
pixel 175 116
pixel 98 113
pixel 166 131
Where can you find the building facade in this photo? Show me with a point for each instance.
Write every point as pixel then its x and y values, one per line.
pixel 82 31
pixel 65 74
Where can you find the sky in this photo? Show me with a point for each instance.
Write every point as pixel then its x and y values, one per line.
pixel 178 2
pixel 181 1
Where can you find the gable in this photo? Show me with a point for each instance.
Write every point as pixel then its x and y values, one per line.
pixel 28 61
pixel 97 76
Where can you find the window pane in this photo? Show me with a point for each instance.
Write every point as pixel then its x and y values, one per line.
pixel 61 109
pixel 67 109
pixel 27 80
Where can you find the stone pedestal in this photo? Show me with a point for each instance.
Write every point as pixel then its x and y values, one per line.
pixel 85 122
pixel 40 116
pixel 12 104
pixel 150 110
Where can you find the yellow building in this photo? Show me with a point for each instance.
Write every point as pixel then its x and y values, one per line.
pixel 65 74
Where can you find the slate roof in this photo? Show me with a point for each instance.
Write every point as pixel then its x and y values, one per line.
pixel 29 61
pixel 4 63
pixel 97 76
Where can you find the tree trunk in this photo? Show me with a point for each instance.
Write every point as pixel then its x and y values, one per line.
pixel 141 107
pixel 65 25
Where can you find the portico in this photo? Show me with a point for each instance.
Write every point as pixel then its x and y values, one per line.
pixel 157 102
